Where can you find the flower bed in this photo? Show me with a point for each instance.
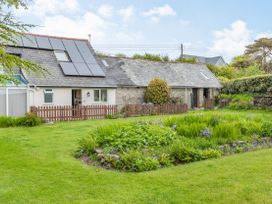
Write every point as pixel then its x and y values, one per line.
pixel 148 145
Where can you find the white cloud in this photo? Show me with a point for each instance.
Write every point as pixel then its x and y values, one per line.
pixel 41 8
pixel 231 41
pixel 156 13
pixel 264 35
pixel 105 10
pixel 89 23
pixel 126 13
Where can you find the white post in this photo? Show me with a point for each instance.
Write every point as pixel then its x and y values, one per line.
pixel 7 102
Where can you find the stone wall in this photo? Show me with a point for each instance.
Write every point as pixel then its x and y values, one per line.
pixel 131 95
pixel 263 101
pixel 135 95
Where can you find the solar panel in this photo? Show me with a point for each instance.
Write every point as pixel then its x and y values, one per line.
pixel 72 51
pixel 83 69
pixel 43 42
pixel 56 44
pixel 68 68
pixel 18 40
pixel 96 70
pixel 29 41
pixel 85 52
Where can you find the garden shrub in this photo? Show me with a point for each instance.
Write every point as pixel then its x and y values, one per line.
pixel 86 145
pixel 184 153
pixel 257 85
pixel 157 92
pixel 29 120
pixel 151 144
pixel 226 132
pixel 135 135
pixel 7 122
pixel 267 129
pixel 241 101
pixel 135 161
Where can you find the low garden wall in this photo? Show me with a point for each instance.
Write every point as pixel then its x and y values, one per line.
pixel 151 109
pixel 262 101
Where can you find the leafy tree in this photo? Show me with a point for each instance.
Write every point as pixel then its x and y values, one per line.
pixel 10 28
pixel 261 51
pixel 227 72
pixel 157 92
pixel 242 61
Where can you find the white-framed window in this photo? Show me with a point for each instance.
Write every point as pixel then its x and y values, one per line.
pixel 100 95
pixel 62 56
pixel 48 96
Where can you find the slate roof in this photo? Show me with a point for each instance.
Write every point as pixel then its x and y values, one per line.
pixel 205 60
pixel 118 71
pixel 46 58
pixel 131 72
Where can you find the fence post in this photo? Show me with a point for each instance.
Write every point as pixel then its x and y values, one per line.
pixel 33 110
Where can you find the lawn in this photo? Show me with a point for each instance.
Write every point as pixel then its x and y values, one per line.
pixel 37 166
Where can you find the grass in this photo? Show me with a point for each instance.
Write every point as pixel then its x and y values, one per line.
pixel 37 166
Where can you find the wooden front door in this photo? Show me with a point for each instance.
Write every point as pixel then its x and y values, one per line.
pixel 194 100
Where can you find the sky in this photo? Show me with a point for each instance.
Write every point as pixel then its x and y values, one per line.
pixel 206 28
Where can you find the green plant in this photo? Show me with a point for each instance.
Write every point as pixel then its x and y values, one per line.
pixel 183 153
pixel 255 85
pixel 192 60
pixel 226 132
pixel 30 120
pixel 148 56
pixel 86 145
pixel 7 122
pixel 267 129
pixel 157 92
pixel 135 135
pixel 165 160
pixel 241 101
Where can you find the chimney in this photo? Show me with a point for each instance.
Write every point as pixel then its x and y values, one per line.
pixel 90 37
pixel 181 51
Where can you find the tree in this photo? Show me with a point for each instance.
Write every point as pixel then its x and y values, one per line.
pixel 10 28
pixel 261 51
pixel 157 92
pixel 242 62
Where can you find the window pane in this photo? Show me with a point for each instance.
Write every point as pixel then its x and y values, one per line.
pixel 48 97
pixel 62 56
pixel 104 95
pixel 96 95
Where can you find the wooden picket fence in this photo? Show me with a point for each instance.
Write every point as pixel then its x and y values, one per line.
pixel 70 113
pixel 224 102
pixel 208 103
pixel 150 109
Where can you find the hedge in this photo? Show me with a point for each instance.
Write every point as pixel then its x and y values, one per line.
pixel 257 85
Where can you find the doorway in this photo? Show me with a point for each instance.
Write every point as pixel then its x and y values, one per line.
pixel 76 97
pixel 194 100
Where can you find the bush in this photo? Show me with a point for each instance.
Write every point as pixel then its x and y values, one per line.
pixel 135 135
pixel 29 120
pixel 7 122
pixel 226 132
pixel 267 129
pixel 157 92
pixel 192 60
pixel 257 85
pixel 241 101
pixel 86 146
pixel 184 153
pixel 147 56
pixel 136 162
